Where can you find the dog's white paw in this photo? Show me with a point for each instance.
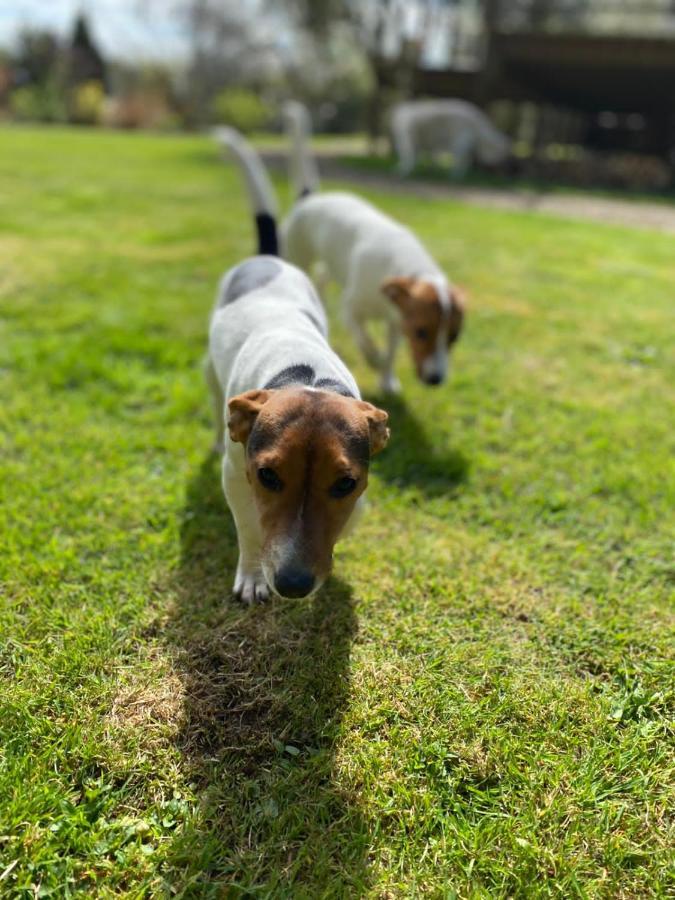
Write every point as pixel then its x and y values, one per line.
pixel 250 587
pixel 390 384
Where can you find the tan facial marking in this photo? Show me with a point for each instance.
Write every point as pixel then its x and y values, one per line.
pixel 304 449
pixel 422 315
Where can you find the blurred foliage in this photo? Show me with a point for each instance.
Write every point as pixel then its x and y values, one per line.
pixel 319 15
pixel 37 57
pixel 141 108
pixel 39 103
pixel 228 47
pixel 333 78
pixel 388 36
pixel 235 74
pixel 241 108
pixel 86 103
pixel 143 96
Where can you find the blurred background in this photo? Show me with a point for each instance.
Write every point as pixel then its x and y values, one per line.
pixel 585 88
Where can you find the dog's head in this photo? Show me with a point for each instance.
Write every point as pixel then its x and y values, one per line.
pixel 307 457
pixel 432 314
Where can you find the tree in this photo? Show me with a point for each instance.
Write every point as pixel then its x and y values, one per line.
pixel 85 62
pixel 37 56
pixel 226 49
pixel 390 33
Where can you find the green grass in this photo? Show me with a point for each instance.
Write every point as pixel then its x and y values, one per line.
pixel 479 705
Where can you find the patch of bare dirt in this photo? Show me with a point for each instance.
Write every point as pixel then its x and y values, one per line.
pixel 640 214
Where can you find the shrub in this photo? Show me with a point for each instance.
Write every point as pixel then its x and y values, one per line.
pixel 86 103
pixel 241 108
pixel 139 109
pixel 38 103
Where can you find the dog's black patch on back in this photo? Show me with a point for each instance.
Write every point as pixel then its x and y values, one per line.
pixel 252 274
pixel 305 374
pixel 332 384
pixel 300 374
pixel 268 242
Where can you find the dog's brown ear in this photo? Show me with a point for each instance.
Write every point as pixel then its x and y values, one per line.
pixel 457 310
pixel 377 424
pixel 397 289
pixel 243 410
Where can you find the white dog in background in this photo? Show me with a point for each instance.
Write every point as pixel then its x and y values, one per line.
pixel 454 126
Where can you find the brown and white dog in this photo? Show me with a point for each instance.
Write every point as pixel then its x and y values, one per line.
pixel 383 269
pixel 299 438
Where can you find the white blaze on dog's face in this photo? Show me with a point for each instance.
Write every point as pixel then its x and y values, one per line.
pixel 432 315
pixel 307 455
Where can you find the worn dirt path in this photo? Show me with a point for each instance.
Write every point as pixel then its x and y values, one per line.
pixel 607 210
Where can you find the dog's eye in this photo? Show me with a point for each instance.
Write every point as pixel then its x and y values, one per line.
pixel 343 487
pixel 421 333
pixel 269 479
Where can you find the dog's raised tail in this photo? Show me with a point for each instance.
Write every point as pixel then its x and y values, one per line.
pixel 303 171
pixel 260 190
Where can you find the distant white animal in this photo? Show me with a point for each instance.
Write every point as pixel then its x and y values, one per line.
pixel 454 126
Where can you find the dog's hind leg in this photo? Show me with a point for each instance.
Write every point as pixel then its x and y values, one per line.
pixel 321 279
pixel 405 147
pixel 463 148
pixel 218 401
pixel 295 248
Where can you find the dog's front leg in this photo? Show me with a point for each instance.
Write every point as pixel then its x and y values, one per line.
pixel 249 582
pixel 405 149
pixel 463 149
pixel 356 324
pixel 321 279
pixel 388 381
pixel 367 346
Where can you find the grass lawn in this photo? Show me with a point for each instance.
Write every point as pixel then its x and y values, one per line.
pixel 481 702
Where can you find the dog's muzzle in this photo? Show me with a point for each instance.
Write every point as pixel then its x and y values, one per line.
pixel 434 371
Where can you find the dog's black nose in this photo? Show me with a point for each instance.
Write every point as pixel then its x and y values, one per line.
pixel 433 379
pixel 293 582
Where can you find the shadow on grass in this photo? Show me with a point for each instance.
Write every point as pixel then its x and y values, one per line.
pixel 411 460
pixel 264 693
